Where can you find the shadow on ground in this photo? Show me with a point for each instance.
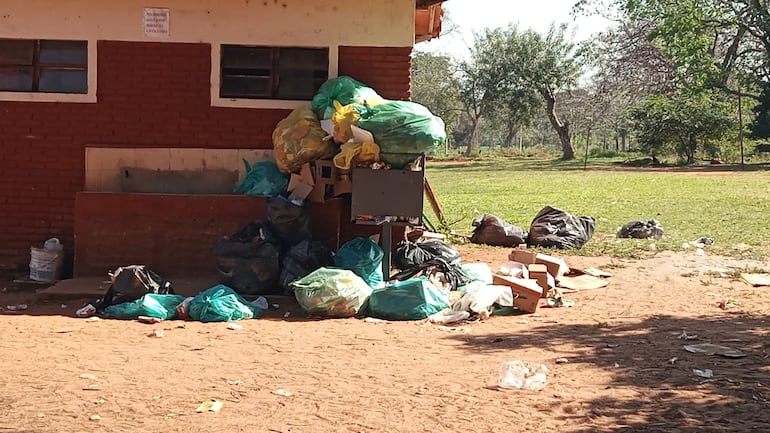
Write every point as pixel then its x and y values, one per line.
pixel 653 387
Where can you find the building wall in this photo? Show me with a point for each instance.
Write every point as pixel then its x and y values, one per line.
pixel 157 94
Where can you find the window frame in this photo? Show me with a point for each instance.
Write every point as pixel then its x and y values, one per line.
pixel 242 102
pixel 36 95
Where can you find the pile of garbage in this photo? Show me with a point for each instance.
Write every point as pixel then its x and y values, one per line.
pixel 348 125
pixel 432 282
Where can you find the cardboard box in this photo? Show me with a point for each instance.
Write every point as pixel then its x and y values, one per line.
pixel 527 293
pixel 328 181
pixel 539 273
pixel 522 256
pixel 556 266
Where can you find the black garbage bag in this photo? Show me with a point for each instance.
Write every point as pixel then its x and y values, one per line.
pixel 301 260
pixel 437 268
pixel 641 230
pixel 492 230
pixel 130 283
pixel 290 223
pixel 555 228
pixel 409 254
pixel 249 261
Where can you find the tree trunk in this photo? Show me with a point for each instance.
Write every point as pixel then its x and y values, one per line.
pixel 473 139
pixel 561 128
pixel 692 145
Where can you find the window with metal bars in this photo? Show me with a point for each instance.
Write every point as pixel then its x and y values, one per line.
pixel 257 72
pixel 44 66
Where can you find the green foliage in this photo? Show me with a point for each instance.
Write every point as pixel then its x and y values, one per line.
pixel 730 207
pixel 760 127
pixel 679 124
pixel 434 86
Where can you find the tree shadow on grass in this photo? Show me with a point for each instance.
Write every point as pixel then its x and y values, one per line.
pixel 653 387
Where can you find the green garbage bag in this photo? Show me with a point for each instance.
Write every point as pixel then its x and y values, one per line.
pixel 263 179
pixel 150 304
pixel 331 292
pixel 403 127
pixel 412 299
pixel 344 90
pixel 364 257
pixel 221 304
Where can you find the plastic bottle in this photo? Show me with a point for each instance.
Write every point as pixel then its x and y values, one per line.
pixel 53 244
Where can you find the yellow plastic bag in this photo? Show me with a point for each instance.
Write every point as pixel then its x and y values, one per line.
pixel 344 116
pixel 364 152
pixel 299 139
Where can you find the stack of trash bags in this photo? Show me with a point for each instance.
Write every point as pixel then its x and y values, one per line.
pixel 349 120
pixel 551 227
pixel 138 292
pixel 266 255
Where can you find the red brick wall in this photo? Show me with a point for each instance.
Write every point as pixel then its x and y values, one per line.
pixel 385 69
pixel 149 94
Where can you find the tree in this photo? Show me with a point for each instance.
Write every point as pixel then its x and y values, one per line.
pixel 434 86
pixel 679 123
pixel 546 64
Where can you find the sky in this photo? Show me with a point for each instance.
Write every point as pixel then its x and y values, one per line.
pixel 475 15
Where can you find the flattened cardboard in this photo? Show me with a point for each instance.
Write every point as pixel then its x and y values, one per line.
pixel 527 292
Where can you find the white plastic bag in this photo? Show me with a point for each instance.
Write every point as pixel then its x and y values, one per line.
pixel 522 375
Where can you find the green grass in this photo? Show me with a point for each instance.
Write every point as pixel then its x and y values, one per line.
pixel 730 206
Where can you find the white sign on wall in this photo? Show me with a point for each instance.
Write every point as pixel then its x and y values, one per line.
pixel 156 22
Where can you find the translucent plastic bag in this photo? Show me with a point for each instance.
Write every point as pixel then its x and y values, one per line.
pixel 345 90
pixel 522 375
pixel 411 299
pixel 364 257
pixel 150 305
pixel 403 127
pixel 331 292
pixel 263 179
pixel 299 139
pixel 221 304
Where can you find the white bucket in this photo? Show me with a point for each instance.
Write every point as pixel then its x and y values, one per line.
pixel 45 264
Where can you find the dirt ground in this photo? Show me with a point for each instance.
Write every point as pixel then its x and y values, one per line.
pixel 626 368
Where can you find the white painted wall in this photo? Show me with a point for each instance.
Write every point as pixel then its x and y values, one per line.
pixel 267 22
pixel 310 23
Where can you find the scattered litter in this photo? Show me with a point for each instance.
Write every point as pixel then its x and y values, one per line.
pixel 756 280
pixel 685 336
pixel 92 387
pixel 210 406
pixel 522 375
pixel 234 382
pixel 282 392
pixel 448 315
pixel 88 376
pixel 714 349
pixel 703 373
pixel 88 310
pixel 260 303
pixel 63 306
pixel 375 320
pixel 234 327
pixel 582 282
pixel 562 360
pixel 148 319
pixel 93 319
pixel 728 304
pixel 559 301
pixel 700 252
pixel 275 306
pixel 616 365
pixel 453 329
pixel 286 314
pixel 95 418
pixel 596 272
pixel 158 333
pixel 703 241
pixel 18 307
pixel 641 230
pixel 673 360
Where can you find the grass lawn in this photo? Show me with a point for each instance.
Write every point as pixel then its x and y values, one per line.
pixel 732 206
